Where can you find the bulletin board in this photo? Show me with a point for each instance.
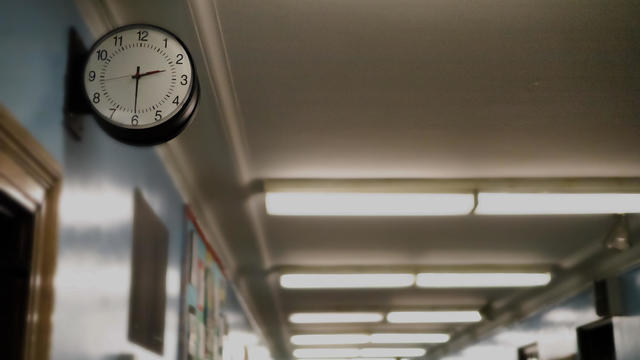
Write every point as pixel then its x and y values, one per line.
pixel 204 292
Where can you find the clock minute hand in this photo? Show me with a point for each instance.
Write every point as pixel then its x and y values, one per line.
pixel 135 101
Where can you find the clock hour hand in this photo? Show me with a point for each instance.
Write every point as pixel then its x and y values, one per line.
pixel 137 76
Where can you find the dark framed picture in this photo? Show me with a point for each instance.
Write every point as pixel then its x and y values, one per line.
pixel 147 297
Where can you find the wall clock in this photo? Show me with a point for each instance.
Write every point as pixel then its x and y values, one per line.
pixel 141 83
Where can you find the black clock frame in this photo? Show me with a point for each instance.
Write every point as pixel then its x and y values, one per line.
pixel 162 132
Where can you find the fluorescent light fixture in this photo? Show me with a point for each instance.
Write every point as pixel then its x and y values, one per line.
pixel 556 204
pixel 346 281
pixel 360 358
pixel 482 280
pixel 378 338
pixel 392 352
pixel 433 316
pixel 335 317
pixel 401 338
pixel 367 204
pixel 326 353
pixel 359 354
pixel 330 339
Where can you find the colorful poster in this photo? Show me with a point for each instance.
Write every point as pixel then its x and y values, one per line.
pixel 193 335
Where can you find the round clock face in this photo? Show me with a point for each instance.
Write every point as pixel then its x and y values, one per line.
pixel 139 79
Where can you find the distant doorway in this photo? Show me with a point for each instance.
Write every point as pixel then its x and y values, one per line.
pixel 16 227
pixel 29 189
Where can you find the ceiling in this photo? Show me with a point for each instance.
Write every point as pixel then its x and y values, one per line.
pixel 326 89
pixel 437 88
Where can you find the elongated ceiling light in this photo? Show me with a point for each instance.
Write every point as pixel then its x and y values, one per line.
pixel 335 317
pixel 392 352
pixel 346 281
pixel 405 338
pixel 556 204
pixel 377 353
pixel 330 339
pixel 326 353
pixel 359 358
pixel 482 280
pixel 377 338
pixel 434 317
pixel 367 204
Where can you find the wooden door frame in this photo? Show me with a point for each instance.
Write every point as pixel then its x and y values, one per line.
pixel 32 177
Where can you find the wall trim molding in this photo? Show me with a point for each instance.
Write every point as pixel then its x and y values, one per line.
pixel 31 176
pixel 208 27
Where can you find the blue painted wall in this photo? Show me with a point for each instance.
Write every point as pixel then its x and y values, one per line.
pixel 33 35
pixel 93 273
pixel 554 329
pixel 630 284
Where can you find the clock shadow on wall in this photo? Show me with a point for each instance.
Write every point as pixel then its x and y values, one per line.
pixel 150 104
pixel 147 299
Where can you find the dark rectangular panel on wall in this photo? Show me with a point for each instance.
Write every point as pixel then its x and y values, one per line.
pixel 608 297
pixel 148 272
pixel 529 352
pixel 596 342
pixel 611 338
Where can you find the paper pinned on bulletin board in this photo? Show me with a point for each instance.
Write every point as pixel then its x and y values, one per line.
pixel 201 335
pixel 194 258
pixel 205 297
pixel 193 334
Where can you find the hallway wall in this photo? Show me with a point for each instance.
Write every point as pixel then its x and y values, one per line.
pixel 93 272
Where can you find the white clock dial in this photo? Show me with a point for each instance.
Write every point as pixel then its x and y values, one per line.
pixel 138 77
